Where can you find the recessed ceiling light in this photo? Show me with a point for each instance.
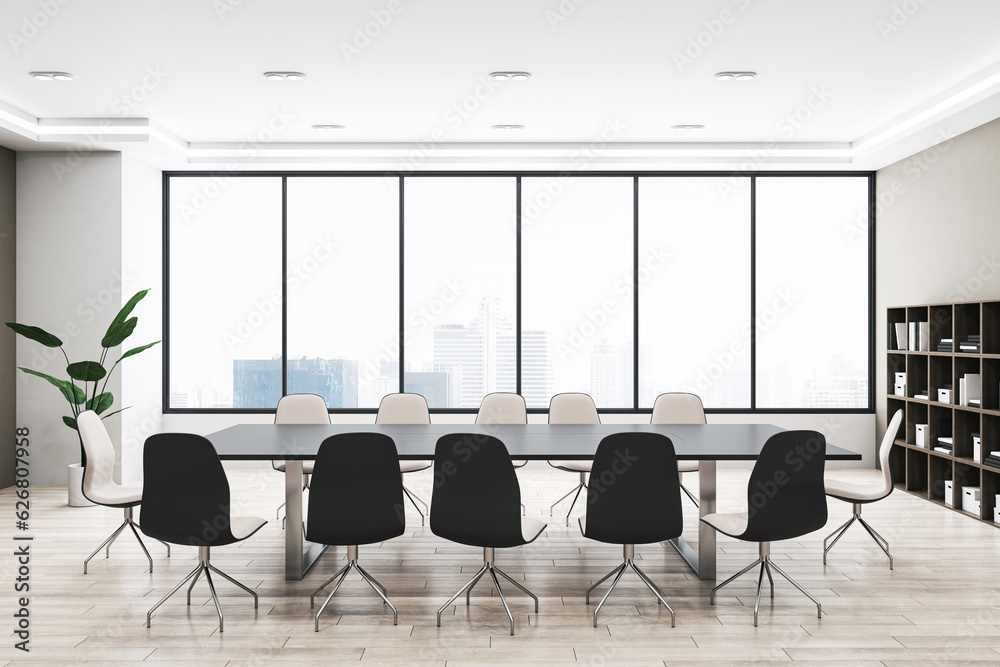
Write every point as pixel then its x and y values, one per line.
pixel 50 76
pixel 283 76
pixel 737 75
pixel 512 76
pixel 328 127
pixel 508 127
pixel 687 127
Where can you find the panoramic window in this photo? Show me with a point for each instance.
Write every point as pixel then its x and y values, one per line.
pixel 812 292
pixel 459 282
pixel 751 291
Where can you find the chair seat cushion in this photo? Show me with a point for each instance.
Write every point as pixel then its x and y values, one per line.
pixel 687 466
pixel 853 492
pixel 531 528
pixel 519 463
pixel 733 524
pixel 116 495
pixel 572 466
pixel 245 526
pixel 307 466
pixel 414 466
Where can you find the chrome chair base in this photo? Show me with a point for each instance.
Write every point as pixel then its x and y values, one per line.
pixel 352 563
pixel 203 566
pixel 629 555
pixel 690 495
pixel 578 488
pixel 106 544
pixel 882 543
pixel 488 555
pixel 766 564
pixel 414 498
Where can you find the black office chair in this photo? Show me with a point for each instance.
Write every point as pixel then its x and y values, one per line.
pixel 185 501
pixel 477 501
pixel 356 497
pixel 634 498
pixel 786 498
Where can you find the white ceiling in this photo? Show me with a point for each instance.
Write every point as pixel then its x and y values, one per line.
pixel 180 83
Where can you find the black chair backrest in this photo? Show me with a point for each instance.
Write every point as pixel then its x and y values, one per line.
pixel 786 496
pixel 476 498
pixel 356 491
pixel 185 492
pixel 634 494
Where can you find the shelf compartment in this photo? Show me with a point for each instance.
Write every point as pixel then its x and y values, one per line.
pixel 916 472
pixel 990 434
pixel 894 316
pixel 988 492
pixel 940 325
pixel 916 413
pixel 916 375
pixel 966 322
pixel 896 364
pixel 937 470
pixel 990 327
pixel 990 389
pixel 940 424
pixel 967 475
pixel 940 375
pixel 966 422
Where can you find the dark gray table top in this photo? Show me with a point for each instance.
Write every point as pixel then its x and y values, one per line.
pixel 720 442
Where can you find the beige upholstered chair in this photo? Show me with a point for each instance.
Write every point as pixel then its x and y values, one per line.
pixel 407 409
pixel 680 408
pixel 572 408
pixel 861 494
pixel 99 485
pixel 299 409
pixel 504 408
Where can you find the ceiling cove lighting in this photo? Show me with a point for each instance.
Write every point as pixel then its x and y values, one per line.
pixel 687 127
pixel 510 76
pixel 508 127
pixel 735 76
pixel 328 127
pixel 284 76
pixel 52 76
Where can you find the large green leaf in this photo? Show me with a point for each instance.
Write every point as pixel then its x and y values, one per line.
pixel 101 402
pixel 118 333
pixel 34 333
pixel 120 319
pixel 69 421
pixel 73 394
pixel 86 371
pixel 116 412
pixel 136 350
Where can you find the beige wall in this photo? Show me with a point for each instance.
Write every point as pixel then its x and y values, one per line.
pixel 8 296
pixel 937 231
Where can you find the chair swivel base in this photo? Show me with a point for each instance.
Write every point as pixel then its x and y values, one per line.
pixel 766 565
pixel 106 544
pixel 352 563
pixel 882 543
pixel 629 555
pixel 578 488
pixel 488 556
pixel 413 499
pixel 203 566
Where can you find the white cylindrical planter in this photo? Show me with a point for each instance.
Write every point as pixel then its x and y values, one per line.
pixel 74 486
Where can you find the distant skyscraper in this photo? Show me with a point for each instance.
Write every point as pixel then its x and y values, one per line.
pixel 536 368
pixel 432 385
pixel 257 382
pixel 481 355
pixel 603 378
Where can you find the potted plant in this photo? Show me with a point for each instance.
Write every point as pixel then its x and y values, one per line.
pixel 81 389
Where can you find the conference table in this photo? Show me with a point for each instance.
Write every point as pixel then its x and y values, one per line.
pixel 706 443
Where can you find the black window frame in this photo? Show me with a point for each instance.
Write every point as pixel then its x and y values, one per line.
pixel 738 176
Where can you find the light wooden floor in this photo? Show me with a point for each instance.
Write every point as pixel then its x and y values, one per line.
pixel 941 605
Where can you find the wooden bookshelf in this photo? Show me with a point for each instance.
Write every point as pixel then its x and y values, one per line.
pixel 923 471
